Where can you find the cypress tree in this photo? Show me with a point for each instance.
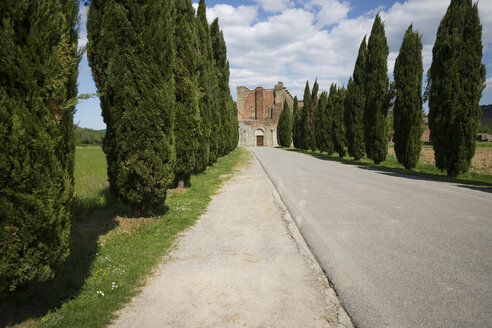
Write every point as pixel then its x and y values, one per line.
pixel 206 80
pixel 232 124
pixel 348 106
pixel 318 126
pixel 324 140
pixel 284 127
pixel 38 84
pixel 377 96
pixel 338 129
pixel 130 51
pixel 354 106
pixel 407 111
pixel 457 78
pixel 311 140
pixel 228 125
pixel 186 92
pixel 304 141
pixel 235 125
pixel 330 111
pixel 220 57
pixel 296 124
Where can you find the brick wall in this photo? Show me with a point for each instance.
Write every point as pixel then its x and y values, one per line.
pixel 264 102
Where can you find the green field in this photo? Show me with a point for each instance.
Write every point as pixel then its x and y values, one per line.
pixel 91 185
pixel 111 255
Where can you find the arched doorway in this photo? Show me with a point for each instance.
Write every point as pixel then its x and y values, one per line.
pixel 259 135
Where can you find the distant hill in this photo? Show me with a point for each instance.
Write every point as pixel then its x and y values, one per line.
pixel 84 136
pixel 486 123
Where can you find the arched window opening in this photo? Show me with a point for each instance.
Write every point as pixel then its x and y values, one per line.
pixel 267 112
pixel 252 112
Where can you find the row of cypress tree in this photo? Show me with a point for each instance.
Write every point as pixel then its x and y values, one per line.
pixel 163 75
pixel 355 119
pixel 38 80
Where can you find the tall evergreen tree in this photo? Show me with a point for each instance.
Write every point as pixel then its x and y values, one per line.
pixel 235 125
pixel 318 126
pixel 457 78
pixel 323 123
pixel 377 95
pixel 220 56
pixel 284 126
pixel 186 92
pixel 348 106
pixel 330 111
pixel 232 131
pixel 296 119
pixel 207 82
pixel 407 111
pixel 338 130
pixel 38 84
pixel 311 139
pixel 130 51
pixel 228 125
pixel 354 106
pixel 304 141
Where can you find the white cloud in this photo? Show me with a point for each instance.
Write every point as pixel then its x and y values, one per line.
pixel 489 83
pixel 485 10
pixel 331 11
pixel 232 16
pixel 318 38
pixel 82 29
pixel 82 42
pixel 275 5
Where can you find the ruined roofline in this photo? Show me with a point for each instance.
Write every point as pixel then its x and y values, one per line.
pixel 287 91
pixel 244 87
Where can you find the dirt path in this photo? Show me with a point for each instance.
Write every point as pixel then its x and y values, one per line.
pixel 237 267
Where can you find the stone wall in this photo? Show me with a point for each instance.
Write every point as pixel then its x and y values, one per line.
pixel 258 111
pixel 249 129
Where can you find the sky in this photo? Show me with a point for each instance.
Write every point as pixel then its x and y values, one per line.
pixel 298 40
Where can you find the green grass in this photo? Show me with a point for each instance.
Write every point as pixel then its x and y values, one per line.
pixel 91 181
pixel 109 250
pixel 478 144
pixel 429 171
pixel 484 144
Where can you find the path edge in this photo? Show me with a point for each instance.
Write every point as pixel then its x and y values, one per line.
pixel 342 318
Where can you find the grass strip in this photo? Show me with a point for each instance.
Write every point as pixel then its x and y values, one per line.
pixel 424 170
pixel 112 256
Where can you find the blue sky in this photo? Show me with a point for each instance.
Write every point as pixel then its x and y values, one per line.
pixel 294 41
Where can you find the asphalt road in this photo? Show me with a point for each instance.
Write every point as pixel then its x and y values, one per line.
pixel 400 251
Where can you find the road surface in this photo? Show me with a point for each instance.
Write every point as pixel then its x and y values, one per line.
pixel 401 251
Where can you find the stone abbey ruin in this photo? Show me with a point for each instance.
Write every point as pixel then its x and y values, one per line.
pixel 258 112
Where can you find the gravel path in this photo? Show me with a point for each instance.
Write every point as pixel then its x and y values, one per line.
pixel 239 266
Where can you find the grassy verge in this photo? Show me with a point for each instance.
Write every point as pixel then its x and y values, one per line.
pixel 111 255
pixel 91 182
pixel 429 171
pixel 484 144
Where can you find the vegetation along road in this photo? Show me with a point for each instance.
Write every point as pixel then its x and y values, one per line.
pixel 401 251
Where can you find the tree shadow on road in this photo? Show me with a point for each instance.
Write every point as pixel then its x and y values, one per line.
pixel 400 171
pixel 469 184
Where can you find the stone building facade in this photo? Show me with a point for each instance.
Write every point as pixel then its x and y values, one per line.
pixel 258 112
